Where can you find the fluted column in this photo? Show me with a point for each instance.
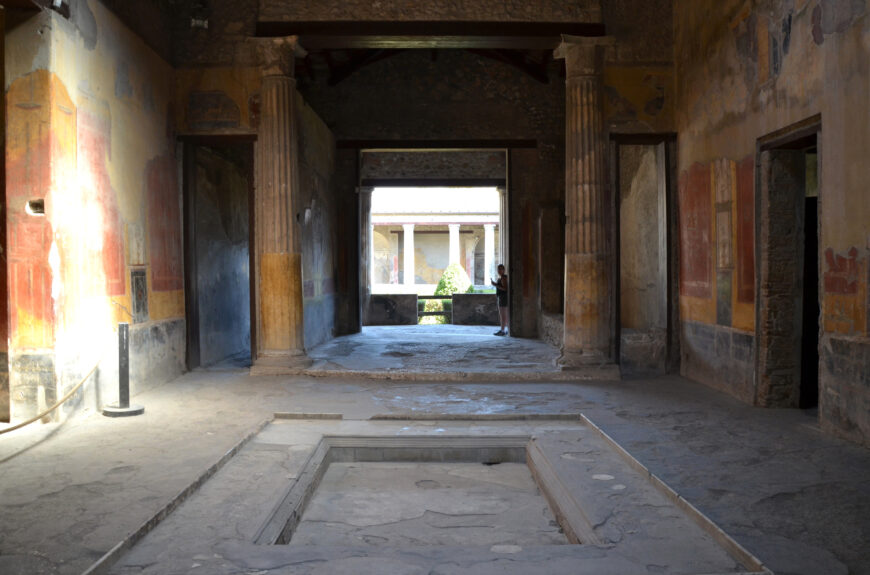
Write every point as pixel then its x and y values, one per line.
pixel 280 334
pixel 588 337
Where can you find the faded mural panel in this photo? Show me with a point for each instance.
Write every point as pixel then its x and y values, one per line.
pixel 744 72
pixel 82 130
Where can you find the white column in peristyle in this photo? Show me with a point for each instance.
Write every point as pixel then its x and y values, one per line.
pixel 372 275
pixel 409 253
pixel 488 252
pixel 454 243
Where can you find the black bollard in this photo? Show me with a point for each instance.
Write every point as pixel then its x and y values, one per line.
pixel 123 407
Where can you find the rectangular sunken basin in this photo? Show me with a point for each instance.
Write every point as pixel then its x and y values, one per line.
pixel 423 491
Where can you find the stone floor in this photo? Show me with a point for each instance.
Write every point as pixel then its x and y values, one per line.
pixel 416 504
pixel 797 499
pixel 389 504
pixel 442 352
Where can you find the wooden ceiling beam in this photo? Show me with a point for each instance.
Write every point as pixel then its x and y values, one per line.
pixel 355 35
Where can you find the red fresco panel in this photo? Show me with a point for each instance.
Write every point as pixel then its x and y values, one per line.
pixel 164 225
pixel 843 272
pixel 94 149
pixel 28 176
pixel 746 230
pixel 695 246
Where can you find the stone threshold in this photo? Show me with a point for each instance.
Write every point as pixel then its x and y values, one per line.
pixel 609 372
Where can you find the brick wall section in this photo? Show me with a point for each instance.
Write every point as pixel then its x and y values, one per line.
pixel 781 267
pixel 433 165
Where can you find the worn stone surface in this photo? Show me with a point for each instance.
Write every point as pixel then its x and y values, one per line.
pixel 437 515
pixel 454 504
pixel 392 309
pixel 551 329
pixel 794 497
pixel 410 351
pixel 642 352
pixel 720 357
pixel 845 376
pixel 475 309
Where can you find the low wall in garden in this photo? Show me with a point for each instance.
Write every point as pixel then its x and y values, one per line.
pixel 475 309
pixel 392 309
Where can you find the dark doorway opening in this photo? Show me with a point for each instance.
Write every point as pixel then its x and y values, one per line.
pixel 218 254
pixel 809 388
pixel 788 306
pixel 646 300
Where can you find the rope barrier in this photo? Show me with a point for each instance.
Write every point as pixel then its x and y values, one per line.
pixel 56 405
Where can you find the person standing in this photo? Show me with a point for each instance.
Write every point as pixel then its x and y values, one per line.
pixel 501 292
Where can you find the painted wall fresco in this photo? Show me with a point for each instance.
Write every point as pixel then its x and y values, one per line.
pixel 164 231
pixel 87 115
pixel 217 100
pixel 94 152
pixel 695 232
pixel 745 228
pixel 747 70
pixel 28 176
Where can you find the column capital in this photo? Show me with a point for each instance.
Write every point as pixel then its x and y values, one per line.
pixel 582 54
pixel 408 227
pixel 277 56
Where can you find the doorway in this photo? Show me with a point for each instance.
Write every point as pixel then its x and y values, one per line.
pixel 788 310
pixel 429 217
pixel 435 241
pixel 645 296
pixel 218 227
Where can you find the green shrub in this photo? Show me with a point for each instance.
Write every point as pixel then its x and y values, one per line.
pixel 435 305
pixel 454 280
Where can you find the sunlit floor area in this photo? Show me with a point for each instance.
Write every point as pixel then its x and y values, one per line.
pixel 441 349
pixel 796 498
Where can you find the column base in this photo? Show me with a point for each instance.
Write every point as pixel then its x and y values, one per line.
pixel 286 363
pixel 594 364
